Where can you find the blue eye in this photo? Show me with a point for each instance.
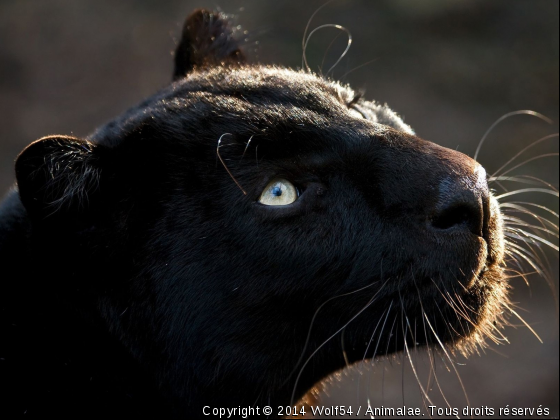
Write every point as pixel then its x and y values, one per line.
pixel 279 192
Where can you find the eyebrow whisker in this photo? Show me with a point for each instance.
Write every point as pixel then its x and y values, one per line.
pixel 223 163
pixel 246 147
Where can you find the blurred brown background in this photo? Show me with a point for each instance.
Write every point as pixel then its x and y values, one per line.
pixel 451 68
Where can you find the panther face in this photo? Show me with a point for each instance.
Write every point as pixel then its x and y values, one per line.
pixel 237 221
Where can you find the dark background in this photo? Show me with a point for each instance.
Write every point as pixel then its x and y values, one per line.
pixel 451 68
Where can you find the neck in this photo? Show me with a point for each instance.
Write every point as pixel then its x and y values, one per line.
pixel 52 358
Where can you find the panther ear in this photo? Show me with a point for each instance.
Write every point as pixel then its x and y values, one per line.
pixel 207 40
pixel 58 173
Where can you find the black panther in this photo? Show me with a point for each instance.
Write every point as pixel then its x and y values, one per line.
pixel 200 248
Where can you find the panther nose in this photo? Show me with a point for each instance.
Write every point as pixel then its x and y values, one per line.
pixel 463 203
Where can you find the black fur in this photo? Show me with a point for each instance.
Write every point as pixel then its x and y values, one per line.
pixel 145 283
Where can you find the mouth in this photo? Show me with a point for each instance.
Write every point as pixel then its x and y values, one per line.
pixel 460 317
pixel 478 309
pixel 452 295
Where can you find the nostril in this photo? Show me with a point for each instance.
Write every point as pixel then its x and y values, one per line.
pixel 463 204
pixel 459 216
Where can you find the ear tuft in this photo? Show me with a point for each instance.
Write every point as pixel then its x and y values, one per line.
pixel 207 40
pixel 56 173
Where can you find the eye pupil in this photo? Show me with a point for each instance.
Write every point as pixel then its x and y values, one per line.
pixel 276 191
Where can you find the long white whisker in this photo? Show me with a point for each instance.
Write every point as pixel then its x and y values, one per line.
pixel 357 67
pixel 523 151
pixel 432 364
pixel 313 321
pixel 527 256
pixel 409 356
pixel 376 326
pixel 522 179
pixel 450 360
pixel 528 190
pixel 515 221
pixel 333 335
pixel 504 117
pixel 224 164
pixel 535 254
pixel 515 208
pixel 517 261
pixel 524 322
pixel 535 237
pixel 328 25
pixel 303 40
pixel 545 155
pixel 327 51
pixel 525 203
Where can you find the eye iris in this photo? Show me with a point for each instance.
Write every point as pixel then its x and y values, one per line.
pixel 276 191
pixel 279 192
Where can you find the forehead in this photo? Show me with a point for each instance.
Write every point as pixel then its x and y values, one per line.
pixel 281 105
pixel 270 102
pixel 266 93
pixel 266 81
pixel 277 96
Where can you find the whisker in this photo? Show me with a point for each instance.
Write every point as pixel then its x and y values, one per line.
pixel 545 155
pixel 522 179
pixel 518 262
pixel 528 190
pixel 327 50
pixel 527 241
pixel 223 163
pixel 333 335
pixel 488 333
pixel 357 68
pixel 377 345
pixel 524 322
pixel 246 147
pixel 508 218
pixel 313 321
pixel 535 254
pixel 504 117
pixel 403 353
pixel 303 40
pixel 458 311
pixel 533 205
pixel 328 25
pixel 526 255
pixel 409 356
pixel 522 234
pixel 449 327
pixel 344 355
pixel 375 329
pixel 386 353
pixel 535 237
pixel 430 355
pixel 381 332
pixel 433 366
pixel 449 358
pixel 518 274
pixel 523 151
pixel 499 184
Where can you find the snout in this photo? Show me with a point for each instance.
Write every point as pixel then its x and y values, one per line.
pixel 428 186
pixel 462 203
pixel 440 211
